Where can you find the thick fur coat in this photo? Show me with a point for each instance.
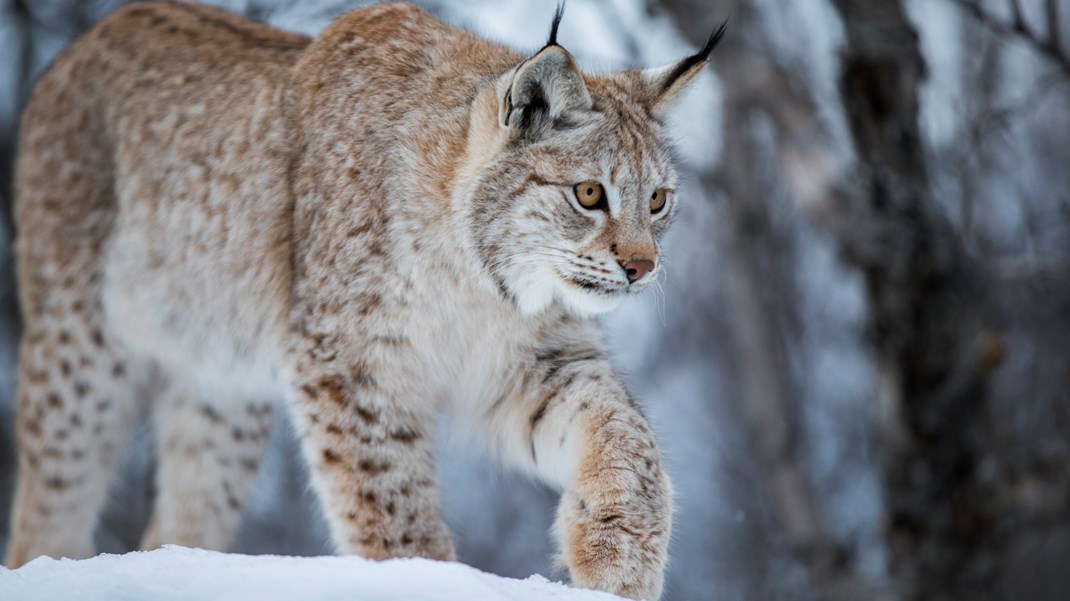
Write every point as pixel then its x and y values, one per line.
pixel 394 219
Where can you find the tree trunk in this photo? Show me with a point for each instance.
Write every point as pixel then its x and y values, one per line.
pixel 928 322
pixel 771 124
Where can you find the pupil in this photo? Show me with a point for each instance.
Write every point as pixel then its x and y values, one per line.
pixel 590 191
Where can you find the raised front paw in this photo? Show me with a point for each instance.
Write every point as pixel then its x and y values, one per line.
pixel 615 532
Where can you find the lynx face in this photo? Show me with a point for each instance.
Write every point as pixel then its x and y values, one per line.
pixel 578 215
pixel 576 187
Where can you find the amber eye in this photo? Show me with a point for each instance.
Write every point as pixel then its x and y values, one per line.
pixel 590 195
pixel 657 200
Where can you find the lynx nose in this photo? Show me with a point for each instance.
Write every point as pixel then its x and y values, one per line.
pixel 636 270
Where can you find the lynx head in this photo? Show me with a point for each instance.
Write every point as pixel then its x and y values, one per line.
pixel 576 185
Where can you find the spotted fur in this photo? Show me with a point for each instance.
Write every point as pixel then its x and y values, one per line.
pixel 370 227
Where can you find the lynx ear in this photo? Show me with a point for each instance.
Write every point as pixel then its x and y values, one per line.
pixel 663 84
pixel 542 90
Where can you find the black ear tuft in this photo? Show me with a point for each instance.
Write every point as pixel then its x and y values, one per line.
pixel 560 12
pixel 711 43
pixel 701 56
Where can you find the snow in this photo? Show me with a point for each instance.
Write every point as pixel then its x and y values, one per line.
pixel 173 573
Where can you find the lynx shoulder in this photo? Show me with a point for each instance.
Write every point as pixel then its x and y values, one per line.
pixel 394 219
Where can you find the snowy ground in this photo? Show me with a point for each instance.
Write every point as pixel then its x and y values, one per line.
pixel 177 573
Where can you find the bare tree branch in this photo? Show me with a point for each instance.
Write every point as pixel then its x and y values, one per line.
pixel 1001 116
pixel 1049 47
pixel 1054 32
pixel 1017 18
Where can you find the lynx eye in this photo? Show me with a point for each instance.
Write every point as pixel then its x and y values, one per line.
pixel 590 195
pixel 657 200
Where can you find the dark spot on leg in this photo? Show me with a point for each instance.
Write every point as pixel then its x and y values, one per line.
pixel 232 499
pixel 210 412
pixel 372 468
pixel 330 456
pixel 331 387
pixel 81 389
pixel 55 483
pixel 540 412
pixel 368 416
pixel 258 410
pixel 36 376
pixel 55 401
pixel 405 435
pixel 390 340
pixel 368 303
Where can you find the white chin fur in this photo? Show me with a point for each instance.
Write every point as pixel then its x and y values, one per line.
pixel 588 304
pixel 536 289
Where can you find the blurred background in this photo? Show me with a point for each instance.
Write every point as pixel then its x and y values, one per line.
pixel 859 369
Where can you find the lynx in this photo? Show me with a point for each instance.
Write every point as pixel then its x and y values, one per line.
pixel 390 221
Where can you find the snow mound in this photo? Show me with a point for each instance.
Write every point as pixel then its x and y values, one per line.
pixel 176 573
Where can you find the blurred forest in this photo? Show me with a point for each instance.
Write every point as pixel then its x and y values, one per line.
pixel 860 367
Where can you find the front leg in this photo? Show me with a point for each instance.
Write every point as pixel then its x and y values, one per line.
pixel 365 434
pixel 577 427
pixel 615 519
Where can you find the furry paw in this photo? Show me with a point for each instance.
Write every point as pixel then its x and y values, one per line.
pixel 615 534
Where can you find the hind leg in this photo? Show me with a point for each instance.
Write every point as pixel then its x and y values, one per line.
pixel 208 454
pixel 75 404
